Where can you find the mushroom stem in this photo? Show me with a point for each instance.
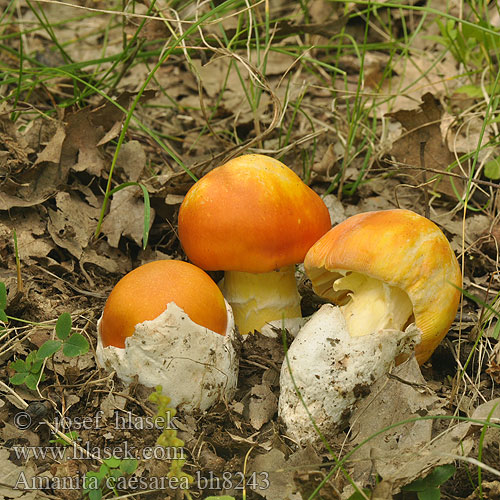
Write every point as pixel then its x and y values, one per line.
pixel 372 304
pixel 259 298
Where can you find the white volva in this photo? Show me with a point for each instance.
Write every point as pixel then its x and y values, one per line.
pixel 332 369
pixel 196 367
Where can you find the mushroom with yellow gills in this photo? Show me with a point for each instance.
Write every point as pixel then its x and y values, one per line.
pixel 397 283
pixel 388 268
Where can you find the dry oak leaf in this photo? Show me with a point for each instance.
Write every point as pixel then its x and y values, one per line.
pixel 276 475
pixel 74 145
pixel 36 183
pixel 89 128
pixel 423 130
pixel 10 474
pixel 398 397
pixel 13 147
pixel 263 405
pixel 72 225
pixel 31 241
pixel 126 216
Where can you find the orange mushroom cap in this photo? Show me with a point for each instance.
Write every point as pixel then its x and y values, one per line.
pixel 144 293
pixel 252 214
pixel 402 249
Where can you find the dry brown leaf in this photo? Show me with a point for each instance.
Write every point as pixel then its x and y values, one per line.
pixel 392 401
pixel 33 186
pixel 111 403
pixel 10 431
pixel 490 491
pixel 113 132
pixel 467 135
pixel 230 90
pixel 209 460
pixel 132 160
pixel 52 152
pixel 80 151
pixel 324 168
pixel 40 336
pixel 423 127
pixel 325 29
pixel 494 364
pixel 65 469
pixel 72 225
pixel 10 474
pixel 455 441
pixel 74 145
pixel 89 128
pixel 382 491
pixel 320 10
pixel 281 472
pixel 412 78
pixel 263 405
pixel 413 464
pixel 14 148
pixel 174 199
pixel 126 216
pixel 38 183
pixel 71 368
pixel 88 34
pixel 475 227
pixel 489 411
pixel 153 30
pixel 110 259
pixel 335 209
pixel 281 485
pixel 30 230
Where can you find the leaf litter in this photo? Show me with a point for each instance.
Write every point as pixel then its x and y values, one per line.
pixel 54 170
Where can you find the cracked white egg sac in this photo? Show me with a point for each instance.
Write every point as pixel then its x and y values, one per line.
pixel 332 370
pixel 195 366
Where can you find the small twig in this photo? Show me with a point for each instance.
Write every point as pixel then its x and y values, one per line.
pixel 405 166
pixel 407 382
pixel 20 288
pixel 472 461
pixel 54 429
pixel 411 186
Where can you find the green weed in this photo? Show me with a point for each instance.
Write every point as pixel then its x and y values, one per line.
pixel 428 488
pixel 108 477
pixel 30 370
pixel 168 438
pixel 3 305
pixel 71 435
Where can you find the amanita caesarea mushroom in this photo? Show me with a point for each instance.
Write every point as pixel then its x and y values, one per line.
pixel 167 324
pixel 387 271
pixel 253 218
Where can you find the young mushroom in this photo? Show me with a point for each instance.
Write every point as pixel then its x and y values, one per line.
pixel 167 323
pixel 387 271
pixel 254 218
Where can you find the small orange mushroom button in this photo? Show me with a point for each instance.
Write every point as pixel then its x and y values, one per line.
pixel 144 293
